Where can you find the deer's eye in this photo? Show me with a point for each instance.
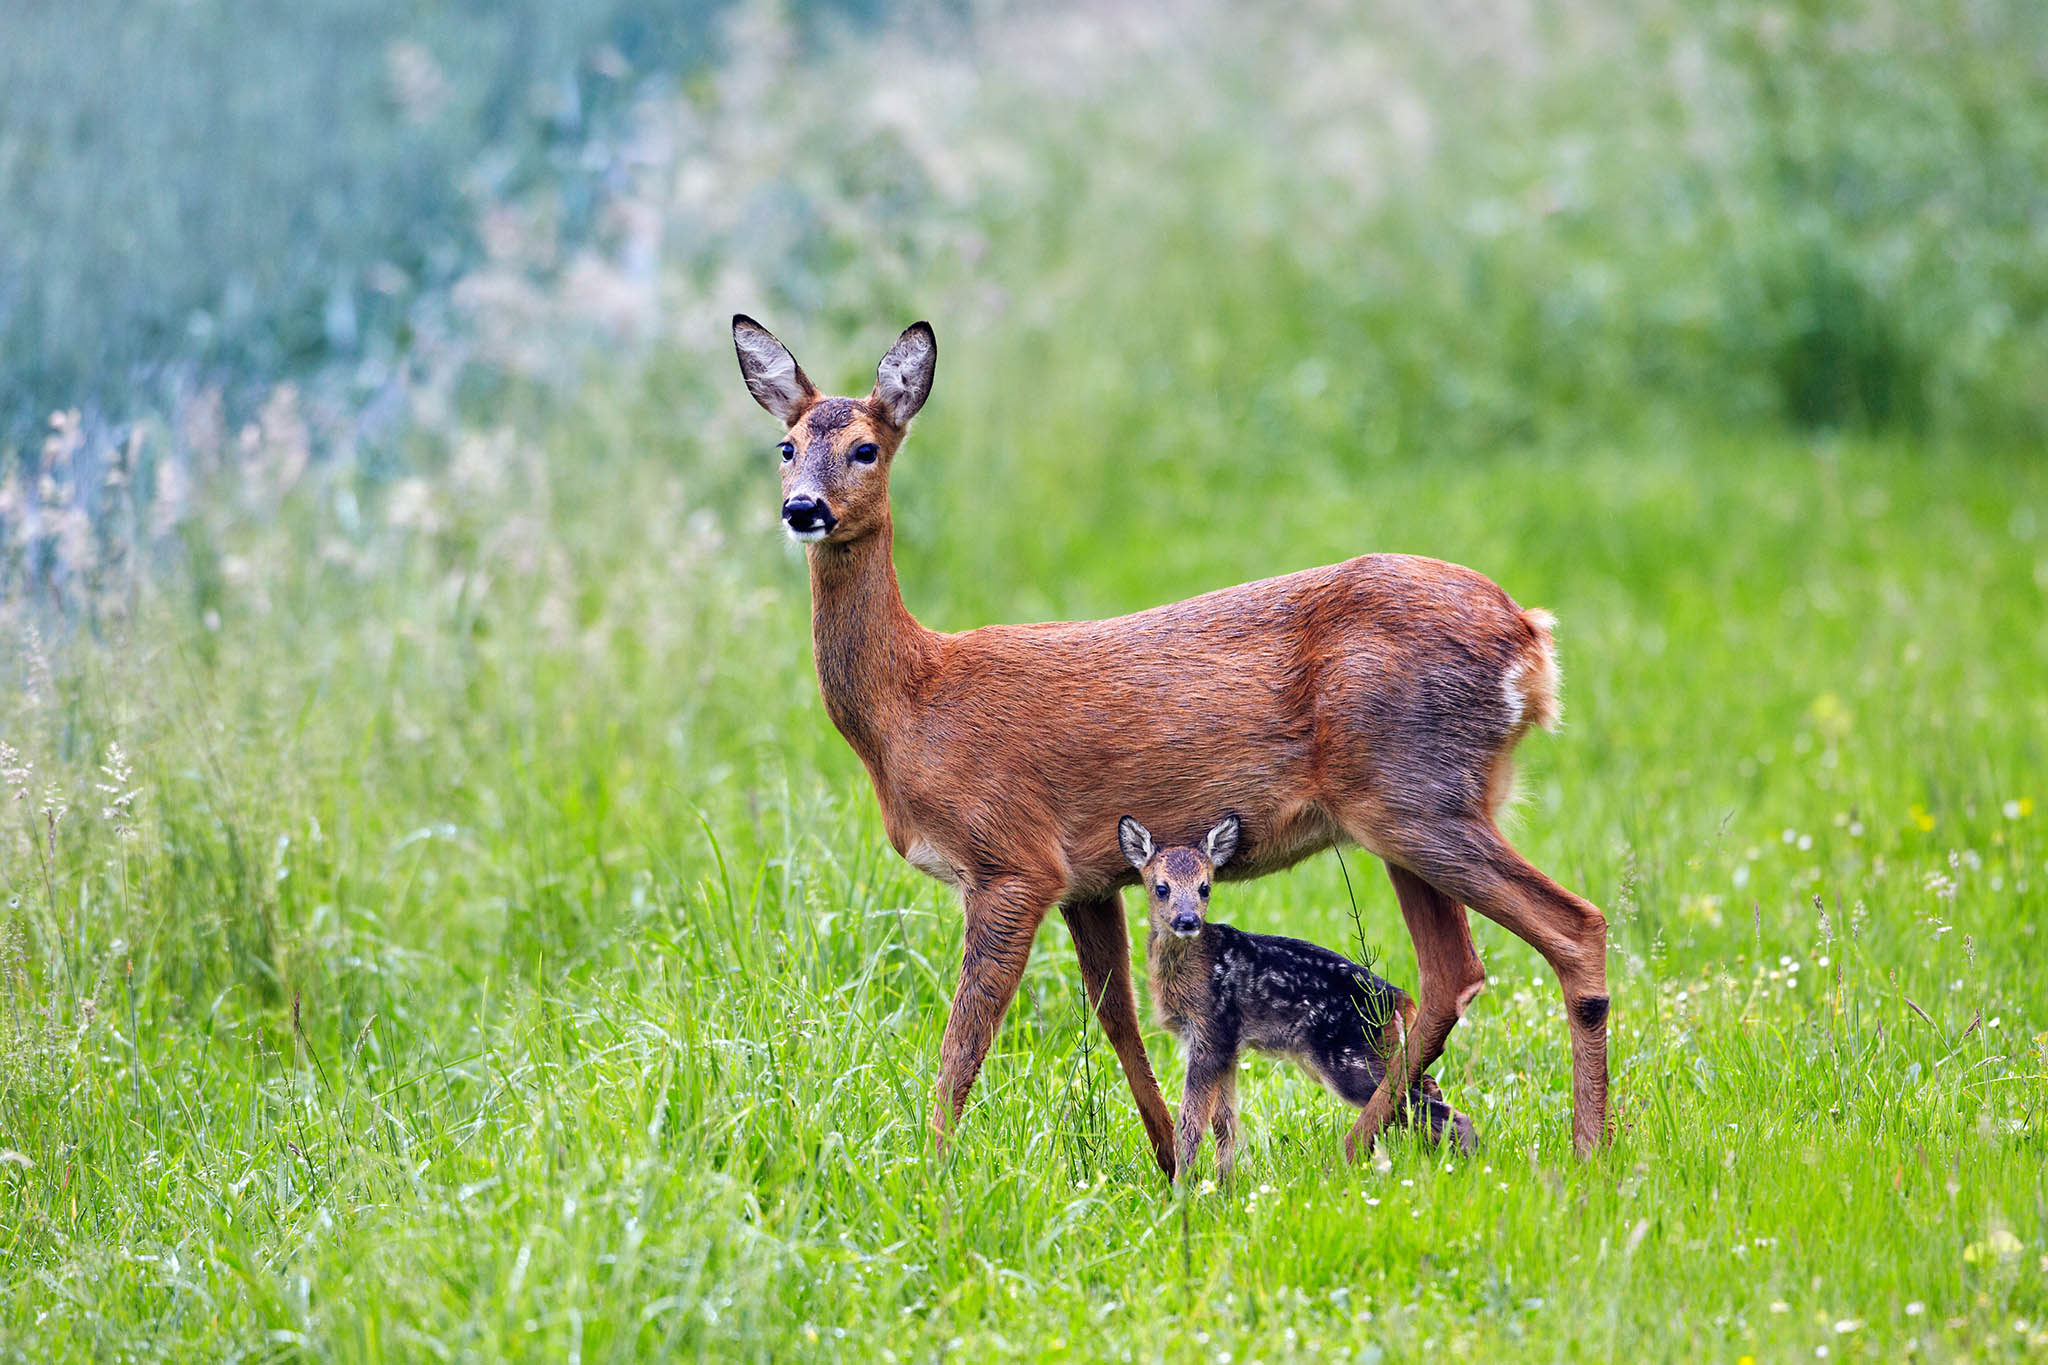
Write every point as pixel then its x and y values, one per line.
pixel 1161 889
pixel 866 453
pixel 1204 889
pixel 788 451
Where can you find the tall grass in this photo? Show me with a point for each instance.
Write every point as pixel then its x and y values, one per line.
pixel 438 920
pixel 499 954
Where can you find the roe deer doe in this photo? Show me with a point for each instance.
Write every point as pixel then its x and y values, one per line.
pixel 1377 700
pixel 1221 990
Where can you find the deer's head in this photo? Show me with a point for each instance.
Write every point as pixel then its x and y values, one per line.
pixel 836 451
pixel 1176 880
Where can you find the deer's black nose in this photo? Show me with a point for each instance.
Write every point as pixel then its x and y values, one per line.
pixel 1186 924
pixel 805 514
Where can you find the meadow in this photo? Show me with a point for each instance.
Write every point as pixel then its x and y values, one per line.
pixel 439 921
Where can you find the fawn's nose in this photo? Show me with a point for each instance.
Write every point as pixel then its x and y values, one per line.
pixel 1185 923
pixel 807 516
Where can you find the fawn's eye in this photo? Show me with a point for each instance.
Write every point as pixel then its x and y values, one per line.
pixel 788 451
pixel 1204 889
pixel 866 453
pixel 1161 889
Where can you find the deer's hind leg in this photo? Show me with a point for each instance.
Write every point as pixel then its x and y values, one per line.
pixel 1450 975
pixel 1423 1108
pixel 1471 861
pixel 1102 942
pixel 1429 1112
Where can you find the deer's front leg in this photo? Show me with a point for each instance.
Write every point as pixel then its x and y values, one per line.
pixel 1450 976
pixel 1003 915
pixel 1225 1123
pixel 1198 1100
pixel 1102 942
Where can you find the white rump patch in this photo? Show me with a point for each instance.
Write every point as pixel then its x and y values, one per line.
pixel 1511 691
pixel 1530 685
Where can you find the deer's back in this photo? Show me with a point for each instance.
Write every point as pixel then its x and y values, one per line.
pixel 1254 699
pixel 1234 990
pixel 1300 998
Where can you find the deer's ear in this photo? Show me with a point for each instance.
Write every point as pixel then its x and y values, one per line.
pixel 1135 840
pixel 904 378
pixel 1222 841
pixel 774 378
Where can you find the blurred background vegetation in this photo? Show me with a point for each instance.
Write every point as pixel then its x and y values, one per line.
pixel 422 851
pixel 214 189
pixel 1513 220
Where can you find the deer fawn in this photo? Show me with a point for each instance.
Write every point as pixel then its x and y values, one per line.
pixel 1221 990
pixel 1377 700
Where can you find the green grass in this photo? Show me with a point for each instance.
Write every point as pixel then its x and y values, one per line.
pixel 216 192
pixel 506 958
pixel 493 951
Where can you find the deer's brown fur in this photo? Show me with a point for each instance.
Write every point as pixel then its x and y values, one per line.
pixel 1377 700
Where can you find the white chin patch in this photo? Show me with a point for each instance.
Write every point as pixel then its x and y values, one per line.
pixel 1186 933
pixel 810 537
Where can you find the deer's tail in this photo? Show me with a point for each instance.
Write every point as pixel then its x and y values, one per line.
pixel 1533 685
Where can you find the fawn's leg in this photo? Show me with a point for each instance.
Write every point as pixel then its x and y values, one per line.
pixel 1103 943
pixel 1450 976
pixel 1472 862
pixel 1224 1123
pixel 1003 915
pixel 1206 1071
pixel 1428 1111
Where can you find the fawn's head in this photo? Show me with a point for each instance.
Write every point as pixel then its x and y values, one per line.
pixel 1176 880
pixel 836 451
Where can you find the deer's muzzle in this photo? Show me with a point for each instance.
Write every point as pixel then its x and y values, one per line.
pixel 808 518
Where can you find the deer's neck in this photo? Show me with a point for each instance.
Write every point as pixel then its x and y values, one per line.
pixel 870 650
pixel 1167 952
pixel 1177 973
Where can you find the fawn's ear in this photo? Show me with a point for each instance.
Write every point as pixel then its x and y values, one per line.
pixel 1222 840
pixel 904 378
pixel 1135 840
pixel 774 378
